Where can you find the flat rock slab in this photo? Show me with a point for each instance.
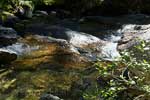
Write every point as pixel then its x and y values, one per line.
pixel 133 34
pixel 40 51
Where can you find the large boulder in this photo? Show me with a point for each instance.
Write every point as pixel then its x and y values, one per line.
pixel 87 44
pixel 37 51
pixel 133 34
pixel 77 39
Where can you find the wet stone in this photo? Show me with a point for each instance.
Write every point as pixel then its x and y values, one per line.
pixel 7 57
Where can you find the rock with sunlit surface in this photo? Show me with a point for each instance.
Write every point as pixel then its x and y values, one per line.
pixel 35 51
pixel 125 30
pixel 77 39
pixel 49 97
pixel 132 34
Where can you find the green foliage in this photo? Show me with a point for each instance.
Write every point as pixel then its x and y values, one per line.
pixel 127 74
pixel 48 2
pixel 4 4
pixel 44 2
pixel 13 4
pixel 26 3
pixel 75 6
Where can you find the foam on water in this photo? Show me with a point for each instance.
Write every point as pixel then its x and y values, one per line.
pixel 19 48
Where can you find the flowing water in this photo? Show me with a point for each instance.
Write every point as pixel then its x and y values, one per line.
pixel 29 82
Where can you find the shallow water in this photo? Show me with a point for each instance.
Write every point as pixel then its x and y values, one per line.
pixel 40 72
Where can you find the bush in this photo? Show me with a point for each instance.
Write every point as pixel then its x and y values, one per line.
pixel 74 6
pixel 126 79
pixel 13 5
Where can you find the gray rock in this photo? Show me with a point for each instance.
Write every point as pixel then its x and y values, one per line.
pixel 132 34
pixel 78 39
pixel 24 12
pixel 7 32
pixel 94 47
pixel 8 36
pixel 49 97
pixel 126 30
pixel 40 13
